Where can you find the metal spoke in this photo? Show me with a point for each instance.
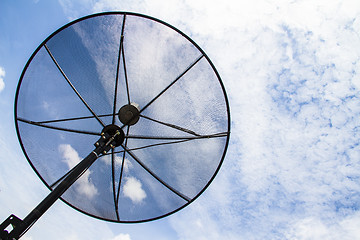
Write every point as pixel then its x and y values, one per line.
pixel 70 119
pixel 121 172
pixel 72 86
pixel 156 144
pixel 58 128
pixel 172 83
pixel 125 73
pixel 174 142
pixel 117 68
pixel 171 125
pixel 113 182
pixel 154 175
pixel 224 134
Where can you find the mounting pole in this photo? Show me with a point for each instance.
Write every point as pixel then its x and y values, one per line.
pixel 111 137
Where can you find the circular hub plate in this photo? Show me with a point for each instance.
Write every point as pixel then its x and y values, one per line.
pixel 111 130
pixel 85 76
pixel 129 114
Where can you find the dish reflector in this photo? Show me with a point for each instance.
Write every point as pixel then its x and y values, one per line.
pixel 89 74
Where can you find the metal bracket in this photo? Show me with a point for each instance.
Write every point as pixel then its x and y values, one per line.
pixel 11 220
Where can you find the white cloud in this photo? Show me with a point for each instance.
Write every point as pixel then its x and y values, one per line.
pixel 313 228
pixel 2 75
pixel 72 158
pixel 122 236
pixel 133 190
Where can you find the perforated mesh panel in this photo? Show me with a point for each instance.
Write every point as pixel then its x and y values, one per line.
pixel 76 82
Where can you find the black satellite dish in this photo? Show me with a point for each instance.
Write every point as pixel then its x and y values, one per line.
pixel 145 95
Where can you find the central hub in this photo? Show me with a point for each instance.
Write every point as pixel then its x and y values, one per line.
pixel 129 114
pixel 111 130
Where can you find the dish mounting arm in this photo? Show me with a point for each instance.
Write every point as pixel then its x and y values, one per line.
pixel 111 137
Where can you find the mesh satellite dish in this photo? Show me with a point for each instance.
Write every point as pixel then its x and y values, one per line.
pixel 136 95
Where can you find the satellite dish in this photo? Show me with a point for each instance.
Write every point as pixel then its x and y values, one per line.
pixel 145 94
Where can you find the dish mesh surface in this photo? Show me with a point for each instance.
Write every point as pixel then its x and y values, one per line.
pixel 74 85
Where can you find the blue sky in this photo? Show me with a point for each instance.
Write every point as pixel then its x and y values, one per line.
pixel 290 68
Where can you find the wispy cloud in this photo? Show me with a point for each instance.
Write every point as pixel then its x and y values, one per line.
pixel 83 185
pixel 2 75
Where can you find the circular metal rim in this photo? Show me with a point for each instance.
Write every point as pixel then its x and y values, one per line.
pixel 167 25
